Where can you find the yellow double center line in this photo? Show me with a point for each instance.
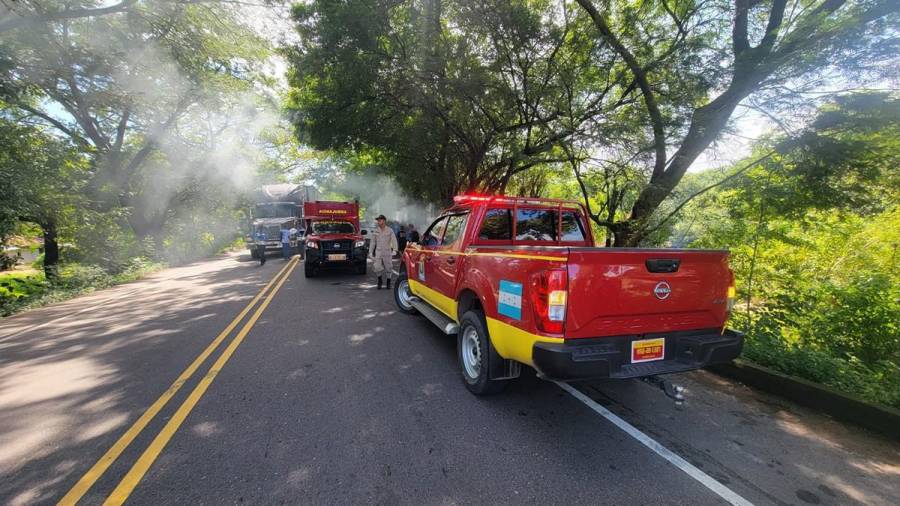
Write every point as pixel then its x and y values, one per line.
pixel 137 471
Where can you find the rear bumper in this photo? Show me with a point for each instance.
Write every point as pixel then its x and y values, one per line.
pixel 609 357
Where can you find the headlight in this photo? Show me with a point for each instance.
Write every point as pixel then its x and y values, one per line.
pixel 312 244
pixel 359 244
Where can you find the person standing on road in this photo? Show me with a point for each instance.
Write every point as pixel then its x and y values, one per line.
pixel 261 239
pixel 285 242
pixel 382 249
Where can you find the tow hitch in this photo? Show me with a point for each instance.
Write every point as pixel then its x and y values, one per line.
pixel 672 391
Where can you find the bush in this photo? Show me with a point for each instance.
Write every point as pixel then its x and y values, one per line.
pixel 20 291
pixel 844 335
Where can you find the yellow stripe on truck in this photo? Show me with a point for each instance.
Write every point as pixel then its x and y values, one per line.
pixel 514 343
pixel 509 342
pixel 438 300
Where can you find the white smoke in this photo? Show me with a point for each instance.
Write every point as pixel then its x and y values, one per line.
pixel 379 194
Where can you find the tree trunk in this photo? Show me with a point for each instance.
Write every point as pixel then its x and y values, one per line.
pixel 51 251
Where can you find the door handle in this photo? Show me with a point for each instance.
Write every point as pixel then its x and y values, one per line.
pixel 451 260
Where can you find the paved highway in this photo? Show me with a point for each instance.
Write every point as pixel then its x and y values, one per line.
pixel 223 382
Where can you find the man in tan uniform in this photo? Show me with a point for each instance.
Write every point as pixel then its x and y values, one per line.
pixel 382 247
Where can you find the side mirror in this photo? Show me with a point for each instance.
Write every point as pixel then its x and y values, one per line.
pixel 363 232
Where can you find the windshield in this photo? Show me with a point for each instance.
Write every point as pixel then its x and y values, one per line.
pixel 277 210
pixel 333 227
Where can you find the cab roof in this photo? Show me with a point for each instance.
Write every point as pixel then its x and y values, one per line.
pixel 462 201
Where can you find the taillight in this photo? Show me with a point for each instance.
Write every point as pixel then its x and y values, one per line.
pixel 548 300
pixel 732 297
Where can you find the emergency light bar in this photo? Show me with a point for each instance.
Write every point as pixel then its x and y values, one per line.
pixel 460 199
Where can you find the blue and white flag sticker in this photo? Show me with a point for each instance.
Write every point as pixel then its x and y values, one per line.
pixel 510 301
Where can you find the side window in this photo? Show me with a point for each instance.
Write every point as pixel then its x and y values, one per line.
pixel 435 232
pixel 456 226
pixel 536 225
pixel 497 225
pixel 572 229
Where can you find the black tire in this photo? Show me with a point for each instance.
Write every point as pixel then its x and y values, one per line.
pixel 480 383
pixel 309 270
pixel 360 268
pixel 402 284
pixel 254 254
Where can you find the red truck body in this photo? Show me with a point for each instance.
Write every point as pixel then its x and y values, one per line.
pixel 333 237
pixel 325 210
pixel 548 298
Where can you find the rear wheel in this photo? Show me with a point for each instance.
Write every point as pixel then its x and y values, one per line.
pixel 403 295
pixel 476 355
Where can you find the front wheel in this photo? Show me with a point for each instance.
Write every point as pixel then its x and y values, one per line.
pixel 309 270
pixel 403 296
pixel 476 355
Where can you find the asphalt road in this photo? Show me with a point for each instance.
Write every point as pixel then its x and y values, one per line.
pixel 323 394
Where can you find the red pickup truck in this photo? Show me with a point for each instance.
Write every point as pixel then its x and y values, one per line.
pixel 519 281
pixel 333 237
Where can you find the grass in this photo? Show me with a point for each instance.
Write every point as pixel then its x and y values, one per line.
pixel 23 290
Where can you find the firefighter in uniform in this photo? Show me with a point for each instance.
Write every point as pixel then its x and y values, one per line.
pixel 382 248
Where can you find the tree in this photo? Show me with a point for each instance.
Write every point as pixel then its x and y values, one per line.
pixel 141 91
pixel 772 51
pixel 813 232
pixel 39 179
pixel 446 96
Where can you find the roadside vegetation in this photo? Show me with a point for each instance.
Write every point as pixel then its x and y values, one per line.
pixel 130 136
pixel 27 289
pixel 814 234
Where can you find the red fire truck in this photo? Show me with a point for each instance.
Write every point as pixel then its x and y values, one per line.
pixel 519 281
pixel 333 237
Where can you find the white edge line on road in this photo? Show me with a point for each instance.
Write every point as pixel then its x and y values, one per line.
pixel 707 481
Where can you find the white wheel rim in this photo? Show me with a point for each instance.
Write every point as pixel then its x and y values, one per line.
pixel 404 295
pixel 471 352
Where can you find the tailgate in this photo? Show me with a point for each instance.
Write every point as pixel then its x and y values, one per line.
pixel 639 291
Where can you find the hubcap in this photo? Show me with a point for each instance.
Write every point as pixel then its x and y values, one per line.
pixel 404 295
pixel 471 352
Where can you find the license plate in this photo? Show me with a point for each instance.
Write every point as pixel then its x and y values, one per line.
pixel 648 350
pixel 337 257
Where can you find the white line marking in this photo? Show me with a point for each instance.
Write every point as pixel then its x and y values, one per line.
pixel 707 481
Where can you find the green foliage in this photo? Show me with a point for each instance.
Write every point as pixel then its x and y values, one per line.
pixel 39 176
pixel 25 290
pixel 444 96
pixel 813 233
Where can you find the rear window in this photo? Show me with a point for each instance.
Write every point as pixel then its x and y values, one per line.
pixel 536 225
pixel 572 229
pixel 497 225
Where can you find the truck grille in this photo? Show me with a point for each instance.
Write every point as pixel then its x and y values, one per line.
pixel 339 245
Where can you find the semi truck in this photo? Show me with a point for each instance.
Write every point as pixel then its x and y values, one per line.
pixel 333 237
pixel 278 206
pixel 519 281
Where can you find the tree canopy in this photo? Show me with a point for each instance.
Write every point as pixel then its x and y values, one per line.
pixel 455 96
pixel 167 101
